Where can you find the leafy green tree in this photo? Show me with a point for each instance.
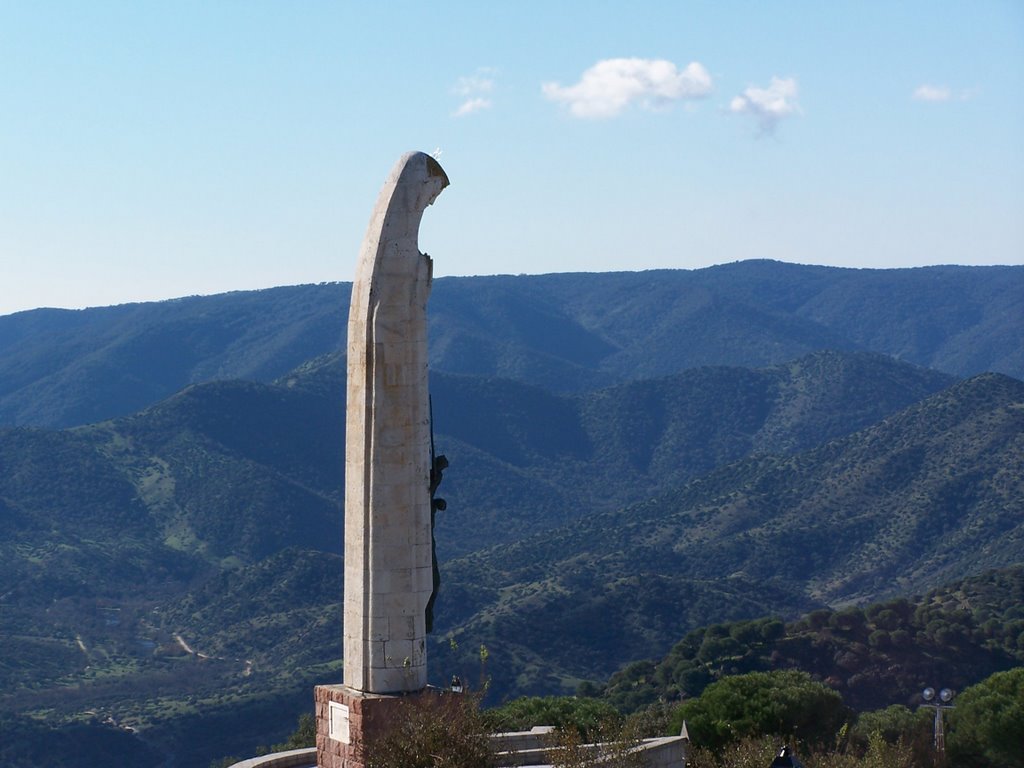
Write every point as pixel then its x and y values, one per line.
pixel 772 629
pixel 879 639
pixel 585 715
pixel 987 726
pixel 786 703
pixel 850 620
pixel 304 735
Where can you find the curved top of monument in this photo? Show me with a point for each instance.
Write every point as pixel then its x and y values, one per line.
pixel 419 168
pixel 414 183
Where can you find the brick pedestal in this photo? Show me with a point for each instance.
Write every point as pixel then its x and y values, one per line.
pixel 347 720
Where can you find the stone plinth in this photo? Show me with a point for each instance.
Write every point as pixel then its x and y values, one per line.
pixel 347 721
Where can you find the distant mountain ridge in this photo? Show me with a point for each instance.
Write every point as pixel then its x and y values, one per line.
pixel 562 332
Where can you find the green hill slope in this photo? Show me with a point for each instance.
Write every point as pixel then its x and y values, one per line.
pixel 171 570
pixel 523 458
pixel 126 513
pixel 930 494
pixel 886 653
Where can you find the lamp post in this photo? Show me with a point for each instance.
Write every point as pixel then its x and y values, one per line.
pixel 941 701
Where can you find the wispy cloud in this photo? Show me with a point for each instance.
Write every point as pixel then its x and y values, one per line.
pixel 931 93
pixel 768 105
pixel 474 91
pixel 939 93
pixel 612 85
pixel 469 106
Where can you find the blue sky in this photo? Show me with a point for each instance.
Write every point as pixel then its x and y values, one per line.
pixel 153 150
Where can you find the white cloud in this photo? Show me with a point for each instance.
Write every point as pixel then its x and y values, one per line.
pixel 939 93
pixel 768 105
pixel 480 82
pixel 932 93
pixel 471 88
pixel 611 85
pixel 469 106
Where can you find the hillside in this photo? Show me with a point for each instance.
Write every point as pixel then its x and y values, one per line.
pixel 168 619
pixel 564 333
pixel 177 571
pixel 885 653
pixel 930 494
pixel 230 472
pixel 124 514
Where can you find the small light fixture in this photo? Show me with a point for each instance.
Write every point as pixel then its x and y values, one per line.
pixel 944 701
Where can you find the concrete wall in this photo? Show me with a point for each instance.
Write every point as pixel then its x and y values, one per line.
pixel 293 758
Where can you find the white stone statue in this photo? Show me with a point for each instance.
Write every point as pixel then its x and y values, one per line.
pixel 388 570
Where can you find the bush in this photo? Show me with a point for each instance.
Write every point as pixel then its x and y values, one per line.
pixel 609 745
pixel 785 703
pixel 442 732
pixel 759 752
pixel 585 715
pixel 896 725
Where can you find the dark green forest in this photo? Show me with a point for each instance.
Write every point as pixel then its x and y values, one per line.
pixel 658 481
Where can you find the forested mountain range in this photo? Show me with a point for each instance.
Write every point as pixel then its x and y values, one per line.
pixel 633 456
pixel 116 546
pixel 932 493
pixel 562 332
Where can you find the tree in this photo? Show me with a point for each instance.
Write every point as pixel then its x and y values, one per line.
pixel 304 735
pixel 585 715
pixel 787 703
pixel 987 726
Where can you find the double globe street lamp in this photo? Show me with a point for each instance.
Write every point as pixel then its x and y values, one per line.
pixel 941 701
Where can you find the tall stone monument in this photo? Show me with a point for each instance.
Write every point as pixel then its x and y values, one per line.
pixel 388 570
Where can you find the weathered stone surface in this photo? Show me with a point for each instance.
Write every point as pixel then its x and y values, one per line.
pixel 387 451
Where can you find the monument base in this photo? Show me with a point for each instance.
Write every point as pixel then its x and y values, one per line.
pixel 348 720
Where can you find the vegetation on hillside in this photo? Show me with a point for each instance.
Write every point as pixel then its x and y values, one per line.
pixel 922 498
pixel 570 332
pixel 171 579
pixel 881 654
pixel 170 607
pixel 740 721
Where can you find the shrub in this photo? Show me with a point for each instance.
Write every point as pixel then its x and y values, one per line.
pixel 785 703
pixel 444 732
pixel 610 745
pixel 585 715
